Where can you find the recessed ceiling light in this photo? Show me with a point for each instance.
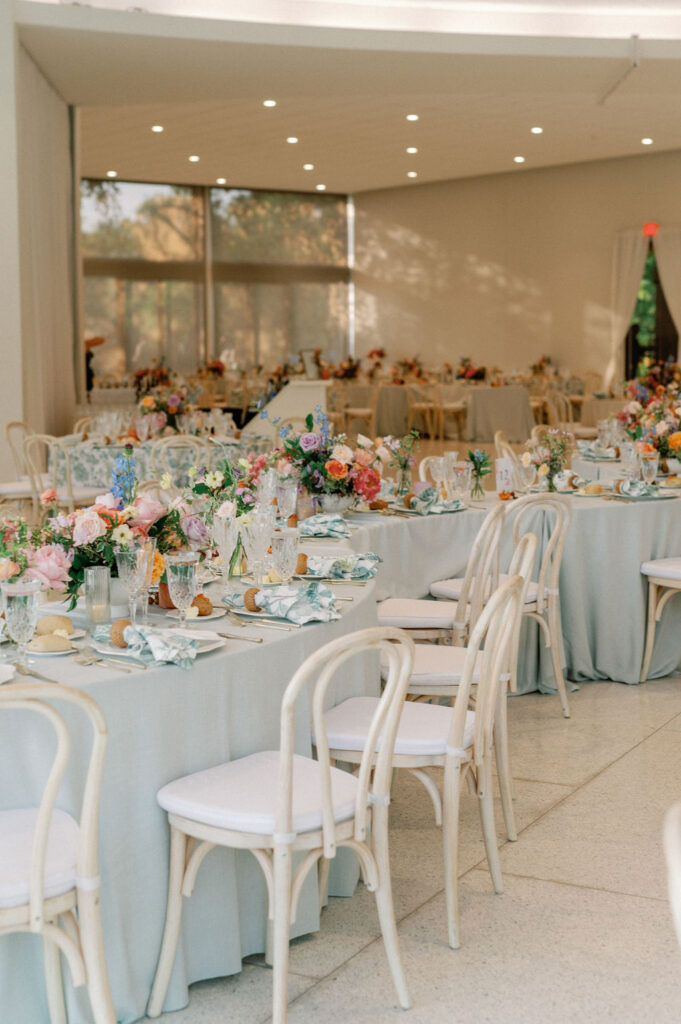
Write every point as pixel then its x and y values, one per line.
pixel 536 130
pixel 292 139
pixel 221 181
pixel 519 159
pixel 308 167
pixel 412 174
pixel 412 117
pixel 194 159
pixel 112 174
pixel 646 142
pixel 321 188
pixel 269 103
pixel 157 127
pixel 412 149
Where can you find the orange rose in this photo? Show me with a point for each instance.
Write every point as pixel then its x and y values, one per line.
pixel 336 469
pixel 674 440
pixel 148 402
pixel 644 446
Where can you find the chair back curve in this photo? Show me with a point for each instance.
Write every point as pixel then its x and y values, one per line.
pixel 558 523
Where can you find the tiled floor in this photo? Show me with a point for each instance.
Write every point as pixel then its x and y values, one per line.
pixel 583 931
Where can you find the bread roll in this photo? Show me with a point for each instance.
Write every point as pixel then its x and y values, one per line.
pixel 49 642
pixel 116 634
pixel 249 600
pixel 203 603
pixel 301 564
pixel 378 504
pixel 407 499
pixel 593 489
pixel 51 623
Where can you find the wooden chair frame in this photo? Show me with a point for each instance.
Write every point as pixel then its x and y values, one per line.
pixel 80 938
pixel 661 589
pixel 37 445
pixel 366 832
pixel 184 442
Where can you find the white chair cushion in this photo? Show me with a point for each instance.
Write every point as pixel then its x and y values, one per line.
pixel 414 613
pixel 16 842
pixel 440 665
pixel 241 795
pixel 450 590
pixel 423 728
pixel 667 568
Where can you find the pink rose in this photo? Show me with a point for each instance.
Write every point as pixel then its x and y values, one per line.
pixel 50 565
pixel 88 527
pixel 48 496
pixel 363 457
pixel 147 511
pixel 196 531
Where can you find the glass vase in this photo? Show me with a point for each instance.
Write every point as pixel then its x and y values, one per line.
pixel 404 481
pixel 477 490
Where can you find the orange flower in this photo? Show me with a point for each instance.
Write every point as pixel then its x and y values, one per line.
pixel 644 446
pixel 148 402
pixel 674 440
pixel 336 469
pixel 159 567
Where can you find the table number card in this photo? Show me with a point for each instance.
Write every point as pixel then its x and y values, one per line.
pixel 504 473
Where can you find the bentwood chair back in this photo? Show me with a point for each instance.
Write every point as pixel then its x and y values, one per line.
pixel 175 455
pixel 15 432
pixel 49 865
pixel 48 463
pixel 278 803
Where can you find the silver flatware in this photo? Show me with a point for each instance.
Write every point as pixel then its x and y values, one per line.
pixel 24 670
pixel 87 660
pixel 241 636
pixel 90 652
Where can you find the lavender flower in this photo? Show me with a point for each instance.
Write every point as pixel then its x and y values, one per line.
pixel 310 442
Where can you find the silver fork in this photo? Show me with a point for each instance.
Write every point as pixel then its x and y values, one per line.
pixel 88 659
pixel 24 670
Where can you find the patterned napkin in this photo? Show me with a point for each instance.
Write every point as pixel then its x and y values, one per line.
pixel 351 567
pixel 429 503
pixel 594 450
pixel 161 645
pixel 324 524
pixel 566 481
pixel 299 602
pixel 636 489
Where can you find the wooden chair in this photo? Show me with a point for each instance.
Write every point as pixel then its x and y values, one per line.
pixel 457 739
pixel 335 405
pixel 560 413
pixel 420 407
pixel 672 852
pixel 278 803
pixel 19 489
pixel 45 452
pixel 82 425
pixel 366 414
pixel 664 581
pixel 49 870
pixel 444 407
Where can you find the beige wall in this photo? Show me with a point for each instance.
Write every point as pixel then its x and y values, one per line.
pixel 504 268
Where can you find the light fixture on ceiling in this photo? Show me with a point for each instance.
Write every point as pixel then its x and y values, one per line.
pixel 221 181
pixel 518 159
pixel 412 149
pixel 157 127
pixel 412 174
pixel 321 188
pixel 308 167
pixel 537 130
pixel 269 103
pixel 112 174
pixel 646 142
pixel 292 139
pixel 194 159
pixel 412 117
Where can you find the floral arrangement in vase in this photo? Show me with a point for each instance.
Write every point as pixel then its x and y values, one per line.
pixel 654 420
pixel 398 452
pixel 468 371
pixel 549 453
pixel 165 405
pixel 216 368
pixel 481 466
pixel 150 377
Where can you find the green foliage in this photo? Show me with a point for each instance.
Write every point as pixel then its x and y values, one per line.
pixel 646 302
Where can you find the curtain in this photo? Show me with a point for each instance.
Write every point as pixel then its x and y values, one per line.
pixel 46 251
pixel 667 246
pixel 630 257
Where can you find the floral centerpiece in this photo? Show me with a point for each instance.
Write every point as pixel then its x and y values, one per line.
pixel 216 368
pixel 481 466
pixel 468 371
pixel 398 452
pixel 150 377
pixel 165 405
pixel 654 420
pixel 549 453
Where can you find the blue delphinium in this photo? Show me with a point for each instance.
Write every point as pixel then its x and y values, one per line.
pixel 123 479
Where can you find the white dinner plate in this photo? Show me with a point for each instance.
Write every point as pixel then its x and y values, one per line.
pixel 49 654
pixel 254 615
pixel 110 650
pixel 217 613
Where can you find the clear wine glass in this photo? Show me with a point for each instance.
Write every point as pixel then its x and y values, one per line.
pixel 225 536
pixel 649 466
pixel 285 553
pixel 149 547
pixel 256 532
pixel 181 573
pixel 20 602
pixel 133 565
pixel 266 488
pixel 461 479
pixel 286 493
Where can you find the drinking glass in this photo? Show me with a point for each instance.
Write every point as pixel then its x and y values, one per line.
pixel 285 553
pixel 438 470
pixel 649 465
pixel 267 483
pixel 20 602
pixel 181 573
pixel 461 479
pixel 630 463
pixel 149 548
pixel 97 580
pixel 133 565
pixel 286 493
pixel 526 475
pixel 256 532
pixel 225 537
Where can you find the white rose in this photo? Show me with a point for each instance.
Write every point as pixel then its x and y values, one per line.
pixel 661 428
pixel 543 469
pixel 364 442
pixel 343 453
pixel 226 510
pixel 526 459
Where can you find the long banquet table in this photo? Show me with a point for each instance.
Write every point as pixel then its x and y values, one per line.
pixel 165 722
pixel 504 408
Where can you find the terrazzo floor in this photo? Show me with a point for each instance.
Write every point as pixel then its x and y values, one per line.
pixel 583 931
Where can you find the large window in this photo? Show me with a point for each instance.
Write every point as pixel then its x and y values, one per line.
pixel 180 275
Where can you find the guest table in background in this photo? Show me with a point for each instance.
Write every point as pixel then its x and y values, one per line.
pixel 596 409
pixel 503 408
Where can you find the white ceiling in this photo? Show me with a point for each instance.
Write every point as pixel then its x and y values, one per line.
pixel 346 105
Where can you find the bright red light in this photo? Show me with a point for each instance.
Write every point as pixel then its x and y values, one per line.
pixel 650 229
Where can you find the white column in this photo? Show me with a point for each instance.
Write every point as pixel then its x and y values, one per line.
pixel 11 387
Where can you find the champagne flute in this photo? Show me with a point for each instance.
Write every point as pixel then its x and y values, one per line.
pixel 20 601
pixel 148 547
pixel 225 536
pixel 181 573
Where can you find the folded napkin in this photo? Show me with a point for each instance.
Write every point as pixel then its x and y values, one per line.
pixel 298 602
pixel 636 489
pixel 566 481
pixel 429 503
pixel 146 642
pixel 351 567
pixel 324 524
pixel 594 450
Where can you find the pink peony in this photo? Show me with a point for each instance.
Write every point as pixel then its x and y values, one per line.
pixel 367 483
pixel 50 565
pixel 48 496
pixel 88 526
pixel 147 511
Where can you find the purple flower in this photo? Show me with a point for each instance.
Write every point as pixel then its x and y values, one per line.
pixel 196 530
pixel 310 442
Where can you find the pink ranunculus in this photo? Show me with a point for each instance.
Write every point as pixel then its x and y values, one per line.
pixel 195 530
pixel 48 496
pixel 147 511
pixel 363 457
pixel 50 565
pixel 88 527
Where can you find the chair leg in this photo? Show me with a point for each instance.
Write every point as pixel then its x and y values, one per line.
pixel 650 631
pixel 92 945
pixel 323 879
pixel 53 982
pixel 280 931
pixel 489 832
pixel 504 767
pixel 450 837
pixel 171 931
pixel 384 904
pixel 556 660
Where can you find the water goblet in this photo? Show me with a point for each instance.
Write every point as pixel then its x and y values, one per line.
pixel 20 602
pixel 285 553
pixel 181 573
pixel 649 466
pixel 256 531
pixel 461 479
pixel 225 537
pixel 630 463
pixel 133 565
pixel 286 493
